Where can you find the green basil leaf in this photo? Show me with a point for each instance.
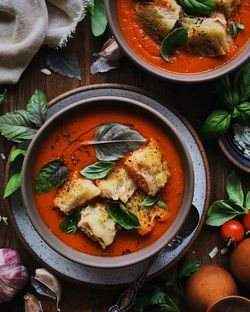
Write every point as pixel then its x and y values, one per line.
pixel 149 201
pixel 37 108
pixel 161 203
pixel 52 175
pixel 13 185
pixel 113 141
pixel 98 17
pixel 227 95
pixel 222 211
pixel 120 214
pixel 234 189
pixel 175 39
pixel 3 96
pixel 242 82
pixel 244 113
pixel 198 7
pixel 63 62
pixel 16 153
pixel 217 123
pixel 247 202
pixel 235 28
pixel 187 269
pixel 16 126
pixel 69 224
pixel 98 170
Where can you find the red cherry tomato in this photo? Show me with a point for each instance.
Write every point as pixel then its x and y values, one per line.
pixel 233 230
pixel 246 221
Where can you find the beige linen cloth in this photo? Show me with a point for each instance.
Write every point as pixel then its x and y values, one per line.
pixel 25 25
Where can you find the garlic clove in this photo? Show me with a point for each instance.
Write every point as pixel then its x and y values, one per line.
pixel 32 304
pixel 110 50
pixel 46 284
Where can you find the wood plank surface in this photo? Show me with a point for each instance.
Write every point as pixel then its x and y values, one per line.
pixel 194 102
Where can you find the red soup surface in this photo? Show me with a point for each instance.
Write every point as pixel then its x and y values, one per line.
pixel 181 61
pixel 64 142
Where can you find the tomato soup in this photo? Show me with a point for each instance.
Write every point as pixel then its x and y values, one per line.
pixel 64 143
pixel 181 61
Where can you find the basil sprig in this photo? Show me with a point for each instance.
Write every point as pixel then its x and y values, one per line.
pixel 98 17
pixel 69 224
pixel 98 170
pixel 21 125
pixel 175 39
pixel 198 7
pixel 154 200
pixel 235 28
pixel 120 214
pixel 52 175
pixel 3 96
pixel 234 96
pixel 222 211
pixel 15 160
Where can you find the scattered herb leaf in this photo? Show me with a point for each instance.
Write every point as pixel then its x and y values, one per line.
pixel 226 93
pixel 242 82
pixel 69 224
pixel 13 185
pixel 187 269
pixel 113 141
pixel 217 123
pixel 222 211
pixel 98 170
pixel 175 39
pixel 3 96
pixel 235 28
pixel 198 7
pixel 52 175
pixel 63 62
pixel 98 17
pixel 243 116
pixel 37 108
pixel 16 126
pixel 14 154
pixel 120 214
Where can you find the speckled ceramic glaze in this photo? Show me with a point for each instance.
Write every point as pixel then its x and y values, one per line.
pixel 125 275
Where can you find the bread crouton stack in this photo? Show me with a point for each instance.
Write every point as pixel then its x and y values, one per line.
pixel 143 172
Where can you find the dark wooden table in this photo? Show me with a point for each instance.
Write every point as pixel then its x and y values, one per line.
pixel 194 102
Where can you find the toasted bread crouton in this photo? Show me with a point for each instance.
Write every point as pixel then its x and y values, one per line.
pixel 207 35
pixel 158 17
pixel 97 224
pixel 147 216
pixel 118 185
pixel 228 7
pixel 147 168
pixel 74 193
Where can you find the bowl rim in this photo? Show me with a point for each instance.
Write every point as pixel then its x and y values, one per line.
pixel 77 256
pixel 204 76
pixel 235 297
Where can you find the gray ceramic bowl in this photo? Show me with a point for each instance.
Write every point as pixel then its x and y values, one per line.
pixel 105 103
pixel 231 304
pixel 110 6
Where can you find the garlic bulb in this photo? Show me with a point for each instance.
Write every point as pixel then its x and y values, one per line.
pixel 32 304
pixel 13 275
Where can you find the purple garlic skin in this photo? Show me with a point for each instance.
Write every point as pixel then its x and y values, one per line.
pixel 13 275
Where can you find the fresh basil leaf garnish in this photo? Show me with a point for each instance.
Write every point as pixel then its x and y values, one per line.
pixel 3 96
pixel 247 202
pixel 13 184
pixel 217 123
pixel 234 189
pixel 120 214
pixel 98 170
pixel 16 153
pixel 153 200
pixel 98 17
pixel 243 116
pixel 16 126
pixel 113 141
pixel 235 28
pixel 52 175
pixel 63 62
pixel 175 39
pixel 37 108
pixel 242 82
pixel 198 7
pixel 69 224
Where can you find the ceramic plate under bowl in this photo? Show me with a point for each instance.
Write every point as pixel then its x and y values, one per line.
pixel 120 276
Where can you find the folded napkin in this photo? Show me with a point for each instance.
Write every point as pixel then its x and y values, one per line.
pixel 25 25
